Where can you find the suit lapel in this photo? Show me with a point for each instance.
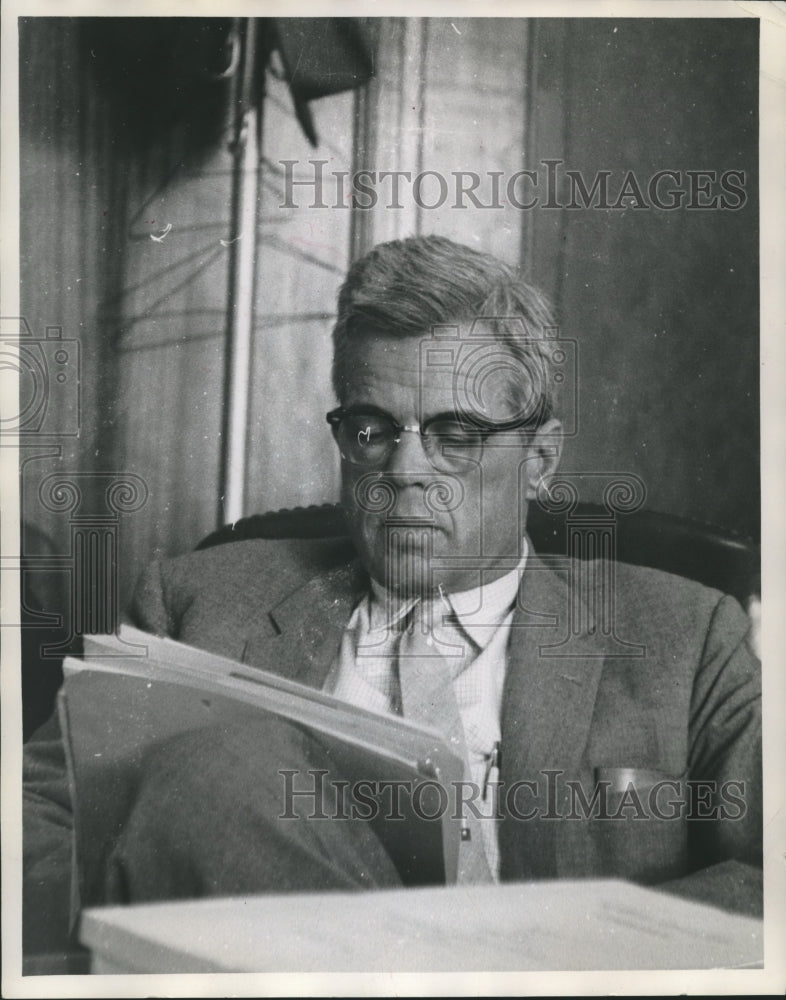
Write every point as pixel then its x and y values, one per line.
pixel 303 632
pixel 548 701
pixel 551 683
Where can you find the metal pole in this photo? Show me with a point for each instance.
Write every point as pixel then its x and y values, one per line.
pixel 242 267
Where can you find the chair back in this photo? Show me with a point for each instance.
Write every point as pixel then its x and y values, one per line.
pixel 713 556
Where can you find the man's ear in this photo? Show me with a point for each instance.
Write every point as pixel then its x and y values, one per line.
pixel 544 451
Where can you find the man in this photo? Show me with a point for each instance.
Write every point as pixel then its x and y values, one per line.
pixel 642 763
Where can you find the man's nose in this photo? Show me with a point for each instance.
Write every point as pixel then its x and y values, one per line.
pixel 421 492
pixel 409 462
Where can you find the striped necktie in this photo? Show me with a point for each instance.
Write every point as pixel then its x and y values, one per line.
pixel 427 665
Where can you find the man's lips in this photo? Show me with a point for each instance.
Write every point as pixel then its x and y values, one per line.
pixel 405 523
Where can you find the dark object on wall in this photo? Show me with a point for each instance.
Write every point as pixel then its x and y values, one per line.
pixel 322 56
pixel 712 556
pixel 162 74
pixel 168 71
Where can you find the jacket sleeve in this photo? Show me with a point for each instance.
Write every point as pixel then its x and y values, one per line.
pixel 149 608
pixel 47 830
pixel 48 826
pixel 725 732
pixel 726 768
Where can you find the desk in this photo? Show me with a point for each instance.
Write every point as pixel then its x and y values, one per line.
pixel 522 926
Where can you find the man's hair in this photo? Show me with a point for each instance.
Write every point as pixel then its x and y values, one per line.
pixel 405 288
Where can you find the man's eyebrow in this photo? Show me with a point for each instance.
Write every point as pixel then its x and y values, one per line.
pixel 474 420
pixel 449 415
pixel 466 417
pixel 362 409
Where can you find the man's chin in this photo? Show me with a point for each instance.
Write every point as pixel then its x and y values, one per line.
pixel 404 569
pixel 407 576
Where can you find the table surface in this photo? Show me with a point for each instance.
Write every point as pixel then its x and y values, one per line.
pixel 560 926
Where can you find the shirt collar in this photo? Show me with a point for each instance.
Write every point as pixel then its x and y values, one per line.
pixel 482 609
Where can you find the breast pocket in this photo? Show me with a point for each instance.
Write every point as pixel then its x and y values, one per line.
pixel 638 828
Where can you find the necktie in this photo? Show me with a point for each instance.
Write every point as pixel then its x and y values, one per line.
pixel 427 665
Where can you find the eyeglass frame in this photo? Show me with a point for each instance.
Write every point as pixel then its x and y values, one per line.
pixel 483 429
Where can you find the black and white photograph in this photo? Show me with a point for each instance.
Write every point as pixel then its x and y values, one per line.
pixel 392 450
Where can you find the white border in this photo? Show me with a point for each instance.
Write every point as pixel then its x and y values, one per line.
pixel 772 978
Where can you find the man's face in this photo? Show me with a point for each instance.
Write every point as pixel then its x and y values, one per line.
pixel 407 529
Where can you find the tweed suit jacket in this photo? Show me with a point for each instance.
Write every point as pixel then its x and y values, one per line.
pixel 620 680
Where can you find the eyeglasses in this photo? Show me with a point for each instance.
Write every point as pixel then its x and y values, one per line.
pixel 367 436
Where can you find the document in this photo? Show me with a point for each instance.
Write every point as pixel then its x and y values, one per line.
pixel 133 692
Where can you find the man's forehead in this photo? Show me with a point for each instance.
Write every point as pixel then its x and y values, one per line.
pixel 436 368
pixel 431 357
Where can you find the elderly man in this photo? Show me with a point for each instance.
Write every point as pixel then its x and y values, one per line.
pixel 645 766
